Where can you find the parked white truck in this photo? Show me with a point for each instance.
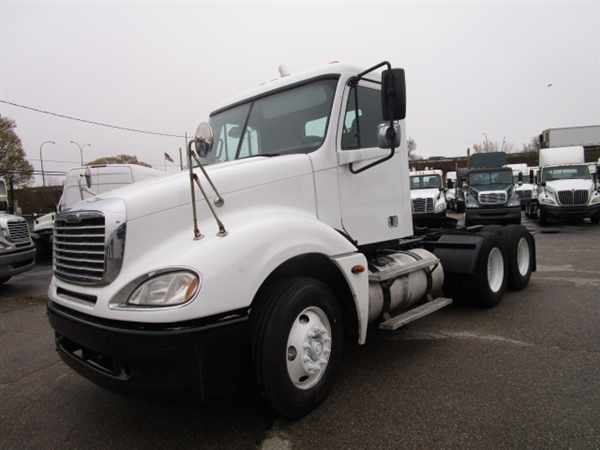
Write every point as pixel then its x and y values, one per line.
pixel 428 197
pixel 17 252
pixel 523 180
pixel 567 189
pixel 289 236
pixel 85 182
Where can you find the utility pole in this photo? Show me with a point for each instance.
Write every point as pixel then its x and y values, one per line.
pixel 180 159
pixel 42 160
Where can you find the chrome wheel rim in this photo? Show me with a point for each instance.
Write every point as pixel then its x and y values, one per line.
pixel 308 347
pixel 523 256
pixel 495 269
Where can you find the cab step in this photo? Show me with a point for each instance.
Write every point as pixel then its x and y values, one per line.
pixel 393 323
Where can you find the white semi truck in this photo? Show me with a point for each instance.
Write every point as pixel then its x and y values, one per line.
pixel 17 252
pixel 428 197
pixel 566 188
pixel 85 182
pixel 523 180
pixel 290 237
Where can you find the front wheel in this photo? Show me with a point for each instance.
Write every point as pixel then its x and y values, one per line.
pixel 297 344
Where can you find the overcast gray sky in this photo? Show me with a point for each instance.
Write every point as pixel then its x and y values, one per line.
pixel 471 67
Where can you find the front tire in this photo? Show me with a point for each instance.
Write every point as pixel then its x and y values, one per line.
pixel 297 344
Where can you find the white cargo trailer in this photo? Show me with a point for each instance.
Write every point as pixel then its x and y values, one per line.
pixel 585 136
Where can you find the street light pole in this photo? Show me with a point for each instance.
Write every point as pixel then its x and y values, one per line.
pixel 42 160
pixel 80 149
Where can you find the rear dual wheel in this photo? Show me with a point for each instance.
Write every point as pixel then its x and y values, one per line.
pixel 520 253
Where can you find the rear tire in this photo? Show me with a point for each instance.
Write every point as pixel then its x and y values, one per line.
pixel 485 287
pixel 297 344
pixel 595 219
pixel 520 256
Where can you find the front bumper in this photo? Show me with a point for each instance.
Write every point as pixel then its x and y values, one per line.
pixel 493 215
pixel 204 355
pixel 572 212
pixel 17 261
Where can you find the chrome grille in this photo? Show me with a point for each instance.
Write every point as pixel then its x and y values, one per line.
pixel 79 254
pixel 422 205
pixel 18 231
pixel 579 197
pixel 492 198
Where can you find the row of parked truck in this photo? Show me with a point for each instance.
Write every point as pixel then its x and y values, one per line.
pixel 564 186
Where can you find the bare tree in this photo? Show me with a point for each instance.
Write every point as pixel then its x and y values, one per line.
pixel 532 146
pixel 412 149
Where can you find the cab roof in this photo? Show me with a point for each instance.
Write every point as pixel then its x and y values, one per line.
pixel 333 70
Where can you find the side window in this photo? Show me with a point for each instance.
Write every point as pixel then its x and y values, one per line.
pixel 360 124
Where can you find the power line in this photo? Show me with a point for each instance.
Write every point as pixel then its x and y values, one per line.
pixel 91 122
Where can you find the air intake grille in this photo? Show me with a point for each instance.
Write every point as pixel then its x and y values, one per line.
pixel 422 205
pixel 79 254
pixel 492 198
pixel 579 197
pixel 18 231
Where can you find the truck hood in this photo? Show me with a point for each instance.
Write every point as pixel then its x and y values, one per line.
pixel 424 193
pixel 158 194
pixel 5 217
pixel 567 185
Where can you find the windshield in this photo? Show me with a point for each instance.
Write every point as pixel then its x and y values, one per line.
pixel 425 182
pixel 492 177
pixel 292 121
pixel 565 173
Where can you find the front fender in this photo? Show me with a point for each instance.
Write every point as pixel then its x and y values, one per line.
pixel 232 268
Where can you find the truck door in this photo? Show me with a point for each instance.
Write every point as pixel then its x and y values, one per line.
pixel 375 204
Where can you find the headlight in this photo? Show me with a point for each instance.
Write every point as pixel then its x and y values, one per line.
pixel 595 198
pixel 547 198
pixel 514 200
pixel 470 201
pixel 168 289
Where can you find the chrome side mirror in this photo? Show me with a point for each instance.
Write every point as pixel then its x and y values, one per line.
pixel 204 138
pixel 388 136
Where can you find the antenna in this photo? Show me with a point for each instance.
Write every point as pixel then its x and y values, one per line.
pixel 283 71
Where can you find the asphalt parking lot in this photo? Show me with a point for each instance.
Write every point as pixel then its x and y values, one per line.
pixel 525 374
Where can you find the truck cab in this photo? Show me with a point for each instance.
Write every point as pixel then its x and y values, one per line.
pixel 289 237
pixel 523 180
pixel 490 197
pixel 17 252
pixel 428 197
pixel 566 188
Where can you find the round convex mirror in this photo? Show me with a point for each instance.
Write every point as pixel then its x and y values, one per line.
pixel 204 137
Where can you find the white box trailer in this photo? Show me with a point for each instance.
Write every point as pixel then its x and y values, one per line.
pixel 586 136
